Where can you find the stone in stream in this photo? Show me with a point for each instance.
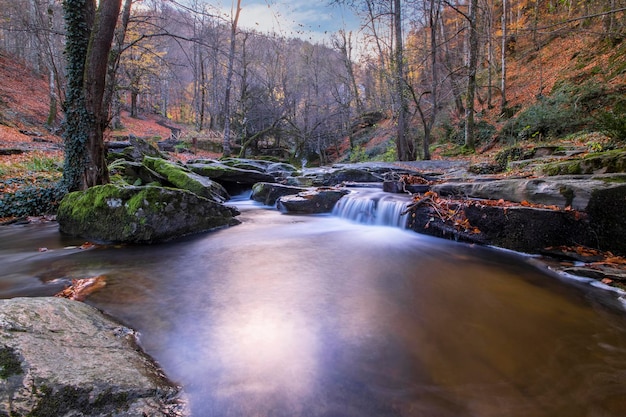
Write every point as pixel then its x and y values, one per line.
pixel 65 358
pixel 321 200
pixel 108 213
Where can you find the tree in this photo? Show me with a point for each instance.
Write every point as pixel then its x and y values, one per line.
pixel 471 76
pixel 229 79
pixel 90 29
pixel 503 101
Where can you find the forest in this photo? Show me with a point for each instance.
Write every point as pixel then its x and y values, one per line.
pixel 439 71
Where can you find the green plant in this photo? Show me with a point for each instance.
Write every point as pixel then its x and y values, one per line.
pixel 358 154
pixel 567 109
pixel 43 164
pixel 32 200
pixel 514 153
pixel 613 122
pixel 391 153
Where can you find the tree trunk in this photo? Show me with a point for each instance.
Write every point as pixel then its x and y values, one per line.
pixel 89 36
pixel 503 101
pixel 229 81
pixel 404 149
pixel 471 77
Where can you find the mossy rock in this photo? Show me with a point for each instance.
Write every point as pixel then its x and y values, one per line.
pixel 228 174
pixel 66 358
pixel 133 214
pixel 602 163
pixel 267 193
pixel 184 179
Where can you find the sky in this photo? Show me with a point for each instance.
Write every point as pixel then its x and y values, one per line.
pixel 312 20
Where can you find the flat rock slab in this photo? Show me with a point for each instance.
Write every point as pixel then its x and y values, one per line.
pixel 60 357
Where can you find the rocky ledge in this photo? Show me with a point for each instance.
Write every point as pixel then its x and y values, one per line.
pixel 60 357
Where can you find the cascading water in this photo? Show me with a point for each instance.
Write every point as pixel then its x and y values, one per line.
pixel 373 207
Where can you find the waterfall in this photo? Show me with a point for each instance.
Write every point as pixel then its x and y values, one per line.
pixel 373 207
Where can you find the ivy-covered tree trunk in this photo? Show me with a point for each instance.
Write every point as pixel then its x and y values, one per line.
pixel 88 43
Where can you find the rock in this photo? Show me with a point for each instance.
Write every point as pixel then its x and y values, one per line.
pixel 225 174
pixel 335 176
pixel 250 164
pixel 184 179
pixel 523 229
pixel 65 358
pixel 527 229
pixel 169 144
pixel 606 211
pixel 267 193
pixel 281 170
pixel 136 173
pixel 601 163
pixel 109 213
pixel 321 200
pixel 141 148
pixel 561 191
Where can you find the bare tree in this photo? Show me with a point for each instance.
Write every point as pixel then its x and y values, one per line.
pixel 471 73
pixel 229 80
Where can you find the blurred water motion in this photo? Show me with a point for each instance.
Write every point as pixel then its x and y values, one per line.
pixel 316 316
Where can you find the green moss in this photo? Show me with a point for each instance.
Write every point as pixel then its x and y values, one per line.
pixel 69 400
pixel 9 363
pixel 569 195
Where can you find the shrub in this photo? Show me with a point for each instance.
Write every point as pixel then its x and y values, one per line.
pixel 358 154
pixel 483 132
pixel 514 153
pixel 566 110
pixel 32 200
pixel 613 123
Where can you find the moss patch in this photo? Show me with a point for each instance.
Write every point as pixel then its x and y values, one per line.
pixel 10 363
pixel 69 399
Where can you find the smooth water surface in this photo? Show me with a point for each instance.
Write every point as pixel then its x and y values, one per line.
pixel 316 316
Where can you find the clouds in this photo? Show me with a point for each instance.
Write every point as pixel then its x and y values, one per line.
pixel 307 19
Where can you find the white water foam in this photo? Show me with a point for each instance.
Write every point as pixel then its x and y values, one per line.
pixel 373 207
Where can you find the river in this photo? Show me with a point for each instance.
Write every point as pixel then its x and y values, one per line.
pixel 289 315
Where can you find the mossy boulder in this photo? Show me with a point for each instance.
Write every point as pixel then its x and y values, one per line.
pixel 65 358
pixel 602 163
pixel 136 214
pixel 184 179
pixel 136 173
pixel 227 175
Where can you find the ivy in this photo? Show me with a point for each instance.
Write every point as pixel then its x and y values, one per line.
pixel 32 200
pixel 77 119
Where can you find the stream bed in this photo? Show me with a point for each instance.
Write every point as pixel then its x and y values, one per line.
pixel 288 315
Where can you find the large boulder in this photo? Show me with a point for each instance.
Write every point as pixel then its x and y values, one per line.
pixel 561 191
pixel 528 229
pixel 606 211
pixel 226 175
pixel 335 176
pixel 601 163
pixel 184 179
pixel 136 173
pixel 133 214
pixel 65 358
pixel 524 229
pixel 268 193
pixel 321 200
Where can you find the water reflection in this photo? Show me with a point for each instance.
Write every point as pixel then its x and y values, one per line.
pixel 315 316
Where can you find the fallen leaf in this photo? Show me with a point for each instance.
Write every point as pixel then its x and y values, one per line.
pixel 81 288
